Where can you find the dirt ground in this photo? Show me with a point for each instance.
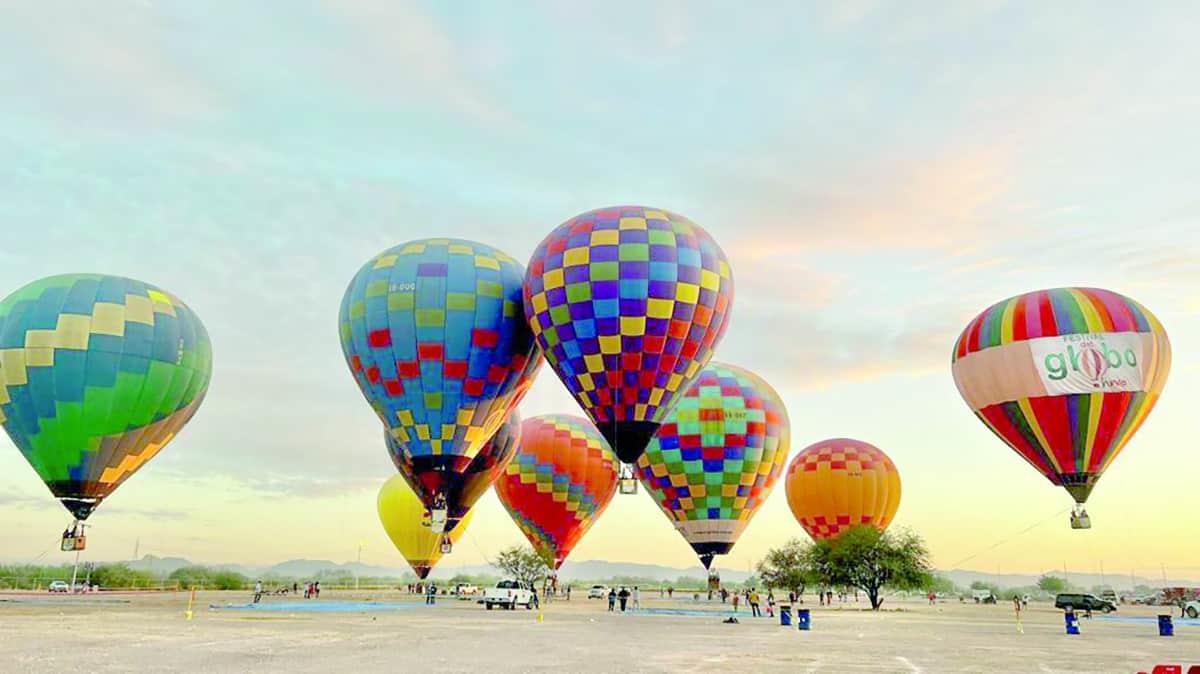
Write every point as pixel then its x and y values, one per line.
pixel 338 633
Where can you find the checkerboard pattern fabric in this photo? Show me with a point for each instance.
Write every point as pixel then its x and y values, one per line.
pixel 837 484
pixel 558 483
pixel 97 374
pixel 628 304
pixel 433 332
pixel 461 486
pixel 717 455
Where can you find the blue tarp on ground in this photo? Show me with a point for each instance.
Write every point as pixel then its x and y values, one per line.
pixel 1186 622
pixel 318 606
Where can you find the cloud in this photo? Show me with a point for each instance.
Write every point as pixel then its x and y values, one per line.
pixel 941 200
pixel 118 64
pixel 400 51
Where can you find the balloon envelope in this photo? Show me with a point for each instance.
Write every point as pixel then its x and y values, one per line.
pixel 433 333
pixel 97 374
pixel 401 512
pixel 628 303
pixel 717 456
pixel 836 484
pixel 558 483
pixel 474 480
pixel 1065 377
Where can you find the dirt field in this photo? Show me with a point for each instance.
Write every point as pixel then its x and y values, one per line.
pixel 117 633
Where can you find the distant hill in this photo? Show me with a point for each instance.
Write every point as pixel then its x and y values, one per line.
pixel 599 570
pixel 159 566
pixel 304 568
pixel 964 578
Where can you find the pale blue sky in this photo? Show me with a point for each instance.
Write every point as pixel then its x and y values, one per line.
pixel 876 172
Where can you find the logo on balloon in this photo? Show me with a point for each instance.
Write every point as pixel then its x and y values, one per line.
pixel 1089 363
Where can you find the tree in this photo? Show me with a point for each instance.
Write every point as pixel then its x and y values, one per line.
pixel 1052 584
pixel 522 563
pixel 941 584
pixel 787 568
pixel 869 560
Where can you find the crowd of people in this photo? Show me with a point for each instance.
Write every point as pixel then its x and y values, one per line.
pixel 312 590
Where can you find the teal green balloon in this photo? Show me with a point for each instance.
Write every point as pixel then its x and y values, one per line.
pixel 97 374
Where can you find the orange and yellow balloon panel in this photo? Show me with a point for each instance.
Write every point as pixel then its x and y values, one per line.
pixel 837 484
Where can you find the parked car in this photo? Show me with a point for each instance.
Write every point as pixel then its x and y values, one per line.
pixel 983 596
pixel 598 592
pixel 465 590
pixel 1192 609
pixel 59 586
pixel 509 594
pixel 1083 602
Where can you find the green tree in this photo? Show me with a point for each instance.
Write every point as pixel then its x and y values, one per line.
pixel 869 560
pixel 522 563
pixel 941 584
pixel 1052 584
pixel 788 567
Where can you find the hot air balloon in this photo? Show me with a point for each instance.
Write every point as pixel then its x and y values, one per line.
pixel 717 456
pixel 97 374
pixel 432 331
pixel 558 483
pixel 479 475
pixel 401 513
pixel 628 303
pixel 837 484
pixel 1065 377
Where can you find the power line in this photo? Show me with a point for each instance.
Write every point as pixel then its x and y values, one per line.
pixel 1005 540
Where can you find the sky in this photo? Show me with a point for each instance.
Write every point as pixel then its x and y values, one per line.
pixel 877 174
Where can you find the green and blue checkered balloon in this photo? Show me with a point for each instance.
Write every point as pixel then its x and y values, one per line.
pixel 97 374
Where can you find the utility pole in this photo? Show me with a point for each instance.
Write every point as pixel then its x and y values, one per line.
pixel 1102 581
pixel 1164 572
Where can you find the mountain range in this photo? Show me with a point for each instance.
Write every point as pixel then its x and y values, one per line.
pixel 600 569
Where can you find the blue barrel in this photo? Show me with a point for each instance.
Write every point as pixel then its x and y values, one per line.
pixel 804 619
pixel 1072 622
pixel 785 615
pixel 1166 628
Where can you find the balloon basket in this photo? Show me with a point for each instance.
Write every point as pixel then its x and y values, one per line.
pixel 446 546
pixel 437 520
pixel 1080 518
pixel 627 482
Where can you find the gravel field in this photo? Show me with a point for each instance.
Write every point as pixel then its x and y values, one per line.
pixel 391 631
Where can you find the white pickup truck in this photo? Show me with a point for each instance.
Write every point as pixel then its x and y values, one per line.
pixel 509 594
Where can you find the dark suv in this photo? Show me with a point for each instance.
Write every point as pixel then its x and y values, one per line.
pixel 1083 602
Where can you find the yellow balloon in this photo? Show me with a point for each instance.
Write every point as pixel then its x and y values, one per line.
pixel 401 513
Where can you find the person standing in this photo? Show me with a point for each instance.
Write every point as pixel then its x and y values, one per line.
pixel 736 597
pixel 257 591
pixel 754 604
pixel 670 592
pixel 430 594
pixel 770 603
pixel 623 596
pixel 612 599
pixel 316 589
pixel 637 597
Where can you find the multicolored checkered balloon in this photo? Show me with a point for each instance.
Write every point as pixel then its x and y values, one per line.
pixel 433 333
pixel 628 304
pixel 837 484
pixel 560 481
pixel 474 480
pixel 97 375
pixel 717 456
